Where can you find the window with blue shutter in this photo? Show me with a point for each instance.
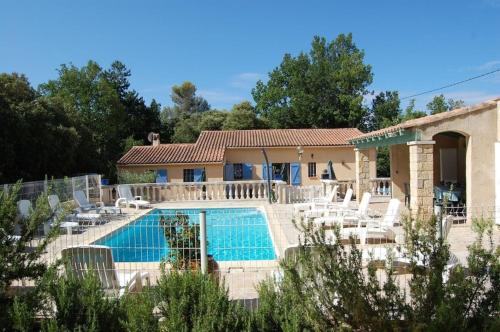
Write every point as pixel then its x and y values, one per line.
pixel 161 176
pixel 247 171
pixel 229 172
pixel 295 170
pixel 198 175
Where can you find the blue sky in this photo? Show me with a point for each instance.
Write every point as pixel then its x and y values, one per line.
pixel 225 46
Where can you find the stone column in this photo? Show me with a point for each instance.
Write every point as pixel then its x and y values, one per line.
pixel 362 172
pixel 421 178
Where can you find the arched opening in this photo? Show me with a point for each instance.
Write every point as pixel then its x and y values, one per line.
pixel 450 165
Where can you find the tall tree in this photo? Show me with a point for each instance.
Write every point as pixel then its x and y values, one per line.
pixel 241 117
pixel 322 89
pixel 439 104
pixel 385 111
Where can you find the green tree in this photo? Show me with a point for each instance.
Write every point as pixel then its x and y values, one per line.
pixel 186 102
pixel 186 130
pixel 322 89
pixel 439 104
pixel 37 136
pixel 384 112
pixel 411 112
pixel 243 116
pixel 212 120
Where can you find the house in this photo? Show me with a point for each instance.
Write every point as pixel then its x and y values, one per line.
pixel 296 156
pixel 454 154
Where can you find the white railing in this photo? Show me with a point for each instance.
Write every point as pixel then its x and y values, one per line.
pixel 226 190
pixel 195 191
pixel 380 186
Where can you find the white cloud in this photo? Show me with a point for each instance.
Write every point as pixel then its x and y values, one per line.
pixel 470 96
pixel 245 80
pixel 494 64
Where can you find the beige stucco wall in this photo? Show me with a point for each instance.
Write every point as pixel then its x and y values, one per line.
pixel 400 169
pixel 214 172
pixel 481 130
pixel 342 158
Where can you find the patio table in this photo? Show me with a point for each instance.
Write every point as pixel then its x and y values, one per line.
pixel 443 192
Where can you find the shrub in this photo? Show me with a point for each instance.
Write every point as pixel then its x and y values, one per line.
pixel 326 287
pixel 19 256
pixel 191 301
pixel 137 310
pixel 126 177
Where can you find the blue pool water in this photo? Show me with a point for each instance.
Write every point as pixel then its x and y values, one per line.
pixel 232 234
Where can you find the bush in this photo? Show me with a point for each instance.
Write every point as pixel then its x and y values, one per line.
pixel 126 177
pixel 191 301
pixel 19 255
pixel 326 287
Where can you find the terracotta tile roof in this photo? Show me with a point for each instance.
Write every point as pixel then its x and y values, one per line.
pixel 278 137
pixel 429 119
pixel 211 145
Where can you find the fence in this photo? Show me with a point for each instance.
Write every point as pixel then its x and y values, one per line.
pixel 64 188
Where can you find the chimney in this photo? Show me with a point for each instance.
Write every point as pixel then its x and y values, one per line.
pixel 156 139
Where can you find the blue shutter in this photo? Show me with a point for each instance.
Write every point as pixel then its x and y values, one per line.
pixel 264 171
pixel 247 171
pixel 198 174
pixel 229 172
pixel 295 170
pixel 161 176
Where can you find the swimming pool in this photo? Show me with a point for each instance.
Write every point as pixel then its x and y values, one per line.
pixel 232 234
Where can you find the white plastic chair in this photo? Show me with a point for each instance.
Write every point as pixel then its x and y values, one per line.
pixel 375 228
pixel 346 216
pixel 85 259
pixel 84 204
pixel 125 193
pixel 319 212
pixel 330 198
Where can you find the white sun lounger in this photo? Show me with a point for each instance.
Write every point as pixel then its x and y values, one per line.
pixel 375 228
pixel 84 204
pixel 128 199
pixel 346 216
pixel 83 259
pixel 319 212
pixel 55 206
pixel 330 198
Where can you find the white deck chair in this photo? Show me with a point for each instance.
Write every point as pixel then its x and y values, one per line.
pixel 84 204
pixel 55 206
pixel 330 198
pixel 83 259
pixel 126 197
pixel 319 212
pixel 376 228
pixel 346 216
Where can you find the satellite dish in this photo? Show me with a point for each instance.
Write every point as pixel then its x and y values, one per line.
pixel 150 137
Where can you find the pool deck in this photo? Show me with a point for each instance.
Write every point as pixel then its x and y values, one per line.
pixel 241 277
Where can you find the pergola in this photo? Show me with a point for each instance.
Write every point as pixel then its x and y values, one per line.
pixel 420 151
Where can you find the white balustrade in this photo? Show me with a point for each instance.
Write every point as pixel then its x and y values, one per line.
pixel 381 186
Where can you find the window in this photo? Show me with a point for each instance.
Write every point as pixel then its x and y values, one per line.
pixel 311 170
pixel 188 175
pixel 238 171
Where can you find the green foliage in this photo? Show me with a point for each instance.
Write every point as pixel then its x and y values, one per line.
pixel 183 241
pixel 212 120
pixel 126 177
pixel 243 116
pixel 191 301
pixel 321 89
pixel 327 285
pixel 384 112
pixel 383 162
pixel 439 104
pixel 129 143
pixel 137 310
pixel 411 112
pixel 79 304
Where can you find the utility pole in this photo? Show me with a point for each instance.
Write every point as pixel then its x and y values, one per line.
pixel 268 177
